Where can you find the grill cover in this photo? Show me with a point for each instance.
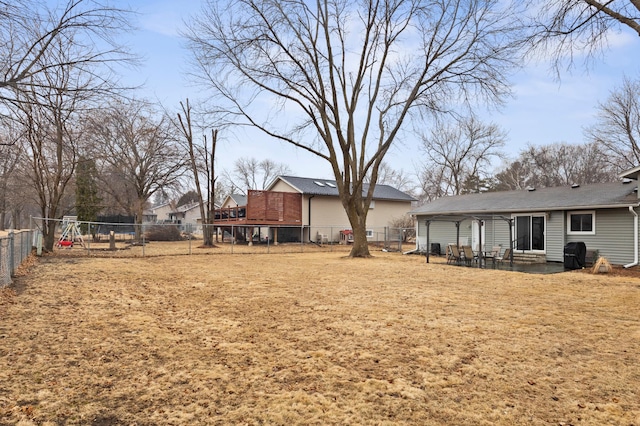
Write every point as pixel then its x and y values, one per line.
pixel 575 254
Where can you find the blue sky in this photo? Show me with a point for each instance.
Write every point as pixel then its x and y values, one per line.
pixel 543 110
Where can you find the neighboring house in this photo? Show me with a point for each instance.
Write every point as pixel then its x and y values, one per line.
pixel 157 214
pixel 311 210
pixel 188 214
pixel 234 200
pixel 539 221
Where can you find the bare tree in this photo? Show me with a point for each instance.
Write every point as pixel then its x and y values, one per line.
pixel 10 155
pixel 31 33
pixel 556 165
pixel 49 116
pixel 251 173
pixel 344 76
pixel 387 175
pixel 561 28
pixel 433 184
pixel 136 147
pixel 617 128
pixel 461 153
pixel 202 163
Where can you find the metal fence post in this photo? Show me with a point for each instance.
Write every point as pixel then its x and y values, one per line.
pixel 12 267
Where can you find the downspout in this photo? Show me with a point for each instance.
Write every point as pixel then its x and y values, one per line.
pixel 635 238
pixel 309 218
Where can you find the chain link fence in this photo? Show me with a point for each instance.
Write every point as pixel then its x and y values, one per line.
pixel 158 239
pixel 15 247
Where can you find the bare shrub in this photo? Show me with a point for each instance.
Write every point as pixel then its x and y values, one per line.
pixel 163 233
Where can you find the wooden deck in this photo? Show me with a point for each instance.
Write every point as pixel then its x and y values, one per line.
pixel 264 208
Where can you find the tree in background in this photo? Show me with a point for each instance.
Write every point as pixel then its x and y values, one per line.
pixel 562 28
pixel 617 128
pixel 187 198
pixel 458 155
pixel 202 164
pixel 137 148
pixel 55 61
pixel 558 164
pixel 396 178
pixel 88 201
pixel 48 116
pixel 31 34
pixel 344 76
pixel 10 154
pixel 251 173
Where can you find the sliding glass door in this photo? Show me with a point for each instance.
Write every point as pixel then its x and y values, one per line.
pixel 529 233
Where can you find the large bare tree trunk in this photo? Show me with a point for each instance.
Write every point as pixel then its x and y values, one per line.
pixel 348 89
pixel 207 206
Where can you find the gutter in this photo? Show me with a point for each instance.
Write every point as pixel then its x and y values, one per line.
pixel 635 238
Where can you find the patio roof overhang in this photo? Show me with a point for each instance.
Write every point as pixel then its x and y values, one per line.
pixel 458 218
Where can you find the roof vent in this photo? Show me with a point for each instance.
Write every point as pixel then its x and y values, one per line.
pixel 626 180
pixel 531 189
pixel 575 185
pixel 332 185
pixel 318 183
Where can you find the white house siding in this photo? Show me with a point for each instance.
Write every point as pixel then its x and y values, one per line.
pixel 329 218
pixel 162 212
pixel 613 238
pixel 555 236
pixel 192 216
pixel 282 186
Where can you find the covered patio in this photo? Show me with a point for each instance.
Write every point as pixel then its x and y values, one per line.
pixel 481 253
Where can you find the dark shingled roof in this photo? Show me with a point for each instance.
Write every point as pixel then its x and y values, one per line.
pixel 239 199
pixel 310 186
pixel 604 195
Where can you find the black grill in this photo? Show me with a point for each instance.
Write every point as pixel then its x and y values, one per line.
pixel 575 255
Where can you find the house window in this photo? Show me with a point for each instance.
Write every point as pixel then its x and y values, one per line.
pixel 369 233
pixel 581 223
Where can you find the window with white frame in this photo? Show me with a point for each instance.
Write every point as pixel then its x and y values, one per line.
pixel 369 233
pixel 581 223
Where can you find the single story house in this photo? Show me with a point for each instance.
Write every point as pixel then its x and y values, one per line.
pixel 539 222
pixel 310 209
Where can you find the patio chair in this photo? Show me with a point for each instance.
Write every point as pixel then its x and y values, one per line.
pixel 468 255
pixel 493 254
pixel 453 254
pixel 505 256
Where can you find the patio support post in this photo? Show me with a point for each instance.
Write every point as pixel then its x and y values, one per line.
pixel 458 234
pixel 511 241
pixel 480 252
pixel 428 249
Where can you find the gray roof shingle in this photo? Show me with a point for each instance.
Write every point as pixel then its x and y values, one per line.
pixel 311 186
pixel 604 195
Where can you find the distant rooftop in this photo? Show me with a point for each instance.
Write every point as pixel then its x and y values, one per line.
pixel 313 186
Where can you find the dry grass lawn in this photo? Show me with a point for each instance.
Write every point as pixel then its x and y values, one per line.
pixel 315 338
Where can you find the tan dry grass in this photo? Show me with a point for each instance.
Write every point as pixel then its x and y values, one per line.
pixel 315 338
